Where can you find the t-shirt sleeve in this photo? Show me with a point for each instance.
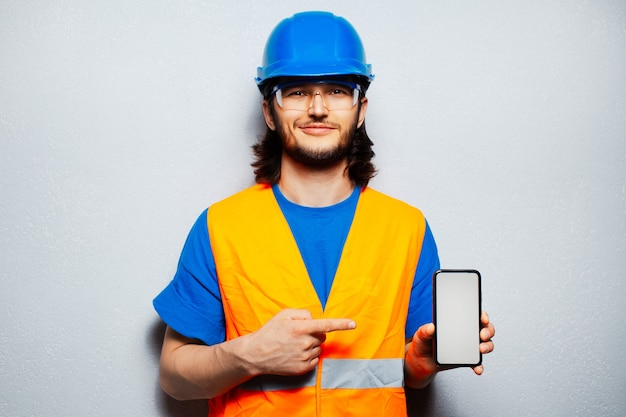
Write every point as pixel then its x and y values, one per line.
pixel 191 303
pixel 420 304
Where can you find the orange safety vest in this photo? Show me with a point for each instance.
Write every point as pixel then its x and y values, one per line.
pixel 260 272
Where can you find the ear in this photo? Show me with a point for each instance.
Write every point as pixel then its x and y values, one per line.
pixel 362 111
pixel 267 114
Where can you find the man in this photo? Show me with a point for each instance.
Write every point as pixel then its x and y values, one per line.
pixel 308 293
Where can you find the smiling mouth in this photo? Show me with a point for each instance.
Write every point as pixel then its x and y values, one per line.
pixel 317 128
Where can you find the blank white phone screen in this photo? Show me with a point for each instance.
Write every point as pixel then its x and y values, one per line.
pixel 457 318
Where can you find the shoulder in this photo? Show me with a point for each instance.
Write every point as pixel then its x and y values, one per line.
pixel 244 197
pixel 388 203
pixel 250 207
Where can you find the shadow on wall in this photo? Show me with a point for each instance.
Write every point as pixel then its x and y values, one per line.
pixel 419 402
pixel 167 406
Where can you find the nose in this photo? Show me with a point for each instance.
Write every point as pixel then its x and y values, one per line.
pixel 317 107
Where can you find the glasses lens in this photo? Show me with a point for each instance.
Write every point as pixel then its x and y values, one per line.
pixel 300 96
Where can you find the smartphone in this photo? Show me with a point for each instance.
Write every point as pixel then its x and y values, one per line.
pixel 456 315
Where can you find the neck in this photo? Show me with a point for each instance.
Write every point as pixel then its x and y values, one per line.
pixel 314 187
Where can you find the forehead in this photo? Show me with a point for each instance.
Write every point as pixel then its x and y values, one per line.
pixel 316 83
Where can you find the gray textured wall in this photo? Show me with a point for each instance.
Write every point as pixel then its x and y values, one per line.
pixel 121 121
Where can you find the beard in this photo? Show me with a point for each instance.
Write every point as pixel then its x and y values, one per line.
pixel 318 158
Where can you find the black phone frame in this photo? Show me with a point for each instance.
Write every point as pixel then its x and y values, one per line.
pixel 434 301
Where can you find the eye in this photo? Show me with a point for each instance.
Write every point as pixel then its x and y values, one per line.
pixel 294 92
pixel 339 91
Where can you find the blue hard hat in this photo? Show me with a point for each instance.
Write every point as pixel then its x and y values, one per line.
pixel 313 44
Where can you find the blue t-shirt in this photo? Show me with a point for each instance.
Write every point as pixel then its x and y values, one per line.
pixel 191 303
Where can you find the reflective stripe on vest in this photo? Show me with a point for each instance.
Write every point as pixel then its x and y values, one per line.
pixel 360 373
pixel 338 373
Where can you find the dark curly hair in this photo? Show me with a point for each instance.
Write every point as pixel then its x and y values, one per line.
pixel 268 151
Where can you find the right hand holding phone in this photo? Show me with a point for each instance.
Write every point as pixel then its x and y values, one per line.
pixel 420 364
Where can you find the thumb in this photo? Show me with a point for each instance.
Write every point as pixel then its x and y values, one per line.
pixel 425 333
pixel 295 314
pixel 423 338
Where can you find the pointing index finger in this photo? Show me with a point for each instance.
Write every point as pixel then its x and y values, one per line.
pixel 331 325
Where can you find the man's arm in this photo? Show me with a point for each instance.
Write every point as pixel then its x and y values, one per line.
pixel 419 365
pixel 288 344
pixel 191 370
